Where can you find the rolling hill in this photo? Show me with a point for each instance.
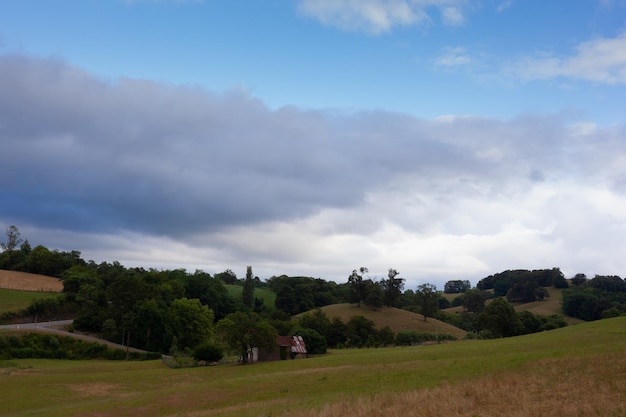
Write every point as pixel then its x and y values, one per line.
pixel 397 319
pixel 24 281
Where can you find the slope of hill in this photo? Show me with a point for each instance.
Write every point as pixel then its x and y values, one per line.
pixel 268 296
pixel 546 307
pixel 23 281
pixel 397 319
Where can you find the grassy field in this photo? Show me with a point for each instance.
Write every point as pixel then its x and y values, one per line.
pixel 395 318
pixel 266 295
pixel 574 371
pixel 13 300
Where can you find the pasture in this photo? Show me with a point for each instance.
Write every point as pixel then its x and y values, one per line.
pixel 573 371
pixel 14 300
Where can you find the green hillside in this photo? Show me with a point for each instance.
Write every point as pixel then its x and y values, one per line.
pixel 15 300
pixel 268 296
pixel 569 372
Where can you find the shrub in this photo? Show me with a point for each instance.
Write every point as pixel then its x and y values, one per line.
pixel 207 352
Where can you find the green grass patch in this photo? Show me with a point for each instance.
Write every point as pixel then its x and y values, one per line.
pixel 83 388
pixel 268 296
pixel 14 300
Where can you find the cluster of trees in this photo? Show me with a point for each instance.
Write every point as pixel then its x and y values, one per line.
pixel 522 285
pixel 358 332
pixel 174 310
pixel 596 298
pixel 499 319
pixel 18 255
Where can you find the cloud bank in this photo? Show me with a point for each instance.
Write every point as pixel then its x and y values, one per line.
pixel 163 175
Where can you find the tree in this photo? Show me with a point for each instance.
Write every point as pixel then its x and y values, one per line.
pixel 316 320
pixel 357 286
pixel 241 331
pixel 456 286
pixel 207 352
pixel 499 319
pixel 316 344
pixel 191 322
pixel 13 239
pixel 336 333
pixel 227 277
pixel 392 288
pixel 427 299
pixel 359 330
pixel 474 301
pixel 374 297
pixel 247 294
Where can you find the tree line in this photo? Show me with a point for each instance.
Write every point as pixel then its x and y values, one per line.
pixel 177 311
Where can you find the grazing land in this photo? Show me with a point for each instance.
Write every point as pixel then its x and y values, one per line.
pixel 23 281
pixel 268 296
pixel 13 300
pixel 397 319
pixel 573 371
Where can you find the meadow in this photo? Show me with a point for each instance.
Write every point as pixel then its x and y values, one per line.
pixel 578 371
pixel 13 300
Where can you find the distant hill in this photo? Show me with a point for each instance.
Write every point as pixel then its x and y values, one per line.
pixel 397 319
pixel 546 307
pixel 13 280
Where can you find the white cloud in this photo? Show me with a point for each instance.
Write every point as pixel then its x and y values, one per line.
pixel 600 60
pixel 380 16
pixel 453 57
pixel 507 4
pixel 452 16
pixel 167 176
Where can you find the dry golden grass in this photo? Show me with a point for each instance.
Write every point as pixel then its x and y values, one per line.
pixel 23 281
pixel 572 387
pixel 395 318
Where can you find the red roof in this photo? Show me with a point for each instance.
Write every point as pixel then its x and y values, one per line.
pixel 296 343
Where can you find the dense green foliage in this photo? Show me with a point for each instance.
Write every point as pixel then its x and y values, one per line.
pixel 45 346
pixel 456 286
pixel 296 295
pixel 412 338
pixel 600 297
pixel 241 331
pixel 523 285
pixel 207 352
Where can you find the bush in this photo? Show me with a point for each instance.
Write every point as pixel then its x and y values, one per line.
pixel 410 338
pixel 207 352
pixel 315 343
pixel 45 346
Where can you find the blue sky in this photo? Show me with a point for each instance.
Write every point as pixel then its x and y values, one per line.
pixel 444 138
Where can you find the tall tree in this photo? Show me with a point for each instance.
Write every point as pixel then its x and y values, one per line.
pixel 358 287
pixel 427 300
pixel 500 320
pixel 243 331
pixel 392 288
pixel 13 239
pixel 192 323
pixel 247 294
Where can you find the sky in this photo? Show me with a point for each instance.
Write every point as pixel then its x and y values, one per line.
pixel 448 139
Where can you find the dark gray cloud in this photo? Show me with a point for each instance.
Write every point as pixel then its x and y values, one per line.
pixel 134 170
pixel 90 153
